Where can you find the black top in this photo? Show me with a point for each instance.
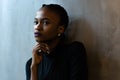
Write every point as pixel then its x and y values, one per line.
pixel 66 62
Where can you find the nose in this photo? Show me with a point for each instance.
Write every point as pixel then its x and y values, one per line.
pixel 38 27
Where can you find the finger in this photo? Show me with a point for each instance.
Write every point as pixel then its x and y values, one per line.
pixel 42 48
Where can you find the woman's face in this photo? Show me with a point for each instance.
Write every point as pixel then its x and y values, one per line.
pixel 46 26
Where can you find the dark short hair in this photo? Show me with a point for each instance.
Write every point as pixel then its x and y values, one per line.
pixel 64 19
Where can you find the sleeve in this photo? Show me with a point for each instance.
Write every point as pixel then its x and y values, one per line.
pixel 27 68
pixel 78 62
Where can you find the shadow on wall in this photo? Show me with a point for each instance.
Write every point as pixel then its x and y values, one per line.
pixel 80 30
pixel 100 65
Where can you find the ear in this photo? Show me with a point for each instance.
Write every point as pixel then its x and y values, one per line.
pixel 61 29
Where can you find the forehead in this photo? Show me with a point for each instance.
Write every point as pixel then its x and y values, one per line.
pixel 46 13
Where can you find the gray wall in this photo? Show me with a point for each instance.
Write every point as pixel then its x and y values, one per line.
pixel 96 23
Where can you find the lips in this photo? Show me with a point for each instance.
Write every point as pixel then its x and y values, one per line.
pixel 37 34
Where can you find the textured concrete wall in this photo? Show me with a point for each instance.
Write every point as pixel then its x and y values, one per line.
pixel 96 23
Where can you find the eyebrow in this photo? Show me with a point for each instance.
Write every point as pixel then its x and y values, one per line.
pixel 42 19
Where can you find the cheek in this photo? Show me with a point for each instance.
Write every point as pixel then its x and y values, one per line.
pixel 51 30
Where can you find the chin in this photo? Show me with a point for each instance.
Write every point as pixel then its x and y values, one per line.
pixel 39 40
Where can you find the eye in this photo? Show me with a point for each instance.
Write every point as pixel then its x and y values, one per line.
pixel 35 22
pixel 45 22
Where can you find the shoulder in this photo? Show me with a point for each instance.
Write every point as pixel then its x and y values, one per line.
pixel 76 50
pixel 28 63
pixel 27 68
pixel 75 46
pixel 77 61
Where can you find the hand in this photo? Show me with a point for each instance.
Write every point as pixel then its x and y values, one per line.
pixel 36 55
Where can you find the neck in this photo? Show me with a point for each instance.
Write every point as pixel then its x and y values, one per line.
pixel 53 44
